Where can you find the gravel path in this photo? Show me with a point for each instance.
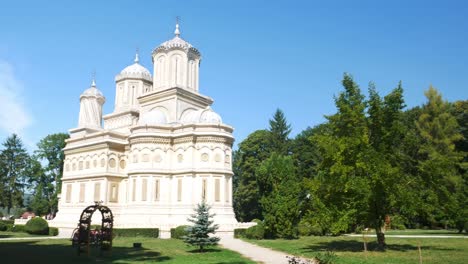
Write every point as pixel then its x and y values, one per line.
pixel 254 252
pixel 412 236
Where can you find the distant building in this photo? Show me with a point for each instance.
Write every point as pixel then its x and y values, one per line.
pixel 159 153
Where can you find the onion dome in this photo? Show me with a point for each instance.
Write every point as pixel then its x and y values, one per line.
pixel 176 43
pixel 134 71
pixel 153 117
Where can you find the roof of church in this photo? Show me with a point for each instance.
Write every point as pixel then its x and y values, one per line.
pixel 176 43
pixel 135 71
pixel 93 91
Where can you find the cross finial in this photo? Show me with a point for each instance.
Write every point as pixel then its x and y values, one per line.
pixel 93 74
pixel 137 59
pixel 177 31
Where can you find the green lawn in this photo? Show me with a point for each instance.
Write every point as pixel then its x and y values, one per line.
pixel 153 250
pixel 400 250
pixel 7 234
pixel 441 232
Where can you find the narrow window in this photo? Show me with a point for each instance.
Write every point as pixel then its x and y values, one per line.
pixel 179 190
pixel 156 190
pixel 114 193
pixel 82 192
pixel 217 191
pixel 133 189
pixel 226 192
pixel 204 189
pixel 69 192
pixel 97 191
pixel 144 188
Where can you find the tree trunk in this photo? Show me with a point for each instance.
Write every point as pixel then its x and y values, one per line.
pixel 380 238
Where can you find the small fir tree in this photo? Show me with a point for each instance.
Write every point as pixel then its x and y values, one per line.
pixel 199 233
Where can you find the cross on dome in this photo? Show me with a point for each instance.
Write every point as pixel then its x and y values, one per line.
pixel 137 58
pixel 93 83
pixel 177 31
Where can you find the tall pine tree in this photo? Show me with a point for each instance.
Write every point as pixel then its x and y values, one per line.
pixel 280 129
pixel 14 162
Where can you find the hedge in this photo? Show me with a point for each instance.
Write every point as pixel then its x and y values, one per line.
pixel 133 232
pixel 53 231
pixel 3 226
pixel 239 232
pixel 37 226
pixel 18 228
pixel 12 222
pixel 255 232
pixel 179 232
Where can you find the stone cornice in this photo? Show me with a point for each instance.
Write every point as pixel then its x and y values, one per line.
pixel 100 140
pixel 175 92
pixel 90 176
pixel 133 112
pixel 180 172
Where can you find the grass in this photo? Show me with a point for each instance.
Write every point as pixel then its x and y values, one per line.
pixel 8 234
pixel 441 232
pixel 153 250
pixel 400 250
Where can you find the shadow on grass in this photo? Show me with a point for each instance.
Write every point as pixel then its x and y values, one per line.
pixel 35 252
pixel 206 250
pixel 357 246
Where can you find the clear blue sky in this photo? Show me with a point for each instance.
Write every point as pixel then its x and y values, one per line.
pixel 257 55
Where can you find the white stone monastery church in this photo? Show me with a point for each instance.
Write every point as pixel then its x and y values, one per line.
pixel 157 155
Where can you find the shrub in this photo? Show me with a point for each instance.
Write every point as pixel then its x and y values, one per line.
pixel 12 222
pixel 328 257
pixel 3 226
pixel 134 232
pixel 9 227
pixel 397 222
pixel 307 228
pixel 255 232
pixel 53 231
pixel 19 228
pixel 258 221
pixel 37 226
pixel 239 232
pixel 179 232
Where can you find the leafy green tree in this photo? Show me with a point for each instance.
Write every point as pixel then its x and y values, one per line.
pixel 439 165
pixel 50 152
pixel 252 151
pixel 342 170
pixel 43 191
pixel 13 167
pixel 280 130
pixel 199 233
pixel 280 202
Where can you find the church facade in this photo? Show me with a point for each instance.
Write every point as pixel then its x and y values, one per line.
pixel 157 155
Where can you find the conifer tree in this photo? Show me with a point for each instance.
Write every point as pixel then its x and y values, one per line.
pixel 439 162
pixel 280 129
pixel 13 166
pixel 199 233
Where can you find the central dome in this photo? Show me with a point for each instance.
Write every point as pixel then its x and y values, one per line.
pixel 176 43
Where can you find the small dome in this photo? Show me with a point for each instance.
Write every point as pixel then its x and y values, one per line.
pixel 93 92
pixel 210 117
pixel 202 116
pixel 153 117
pixel 134 71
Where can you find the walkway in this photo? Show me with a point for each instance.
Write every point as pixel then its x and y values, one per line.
pixel 412 236
pixel 254 252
